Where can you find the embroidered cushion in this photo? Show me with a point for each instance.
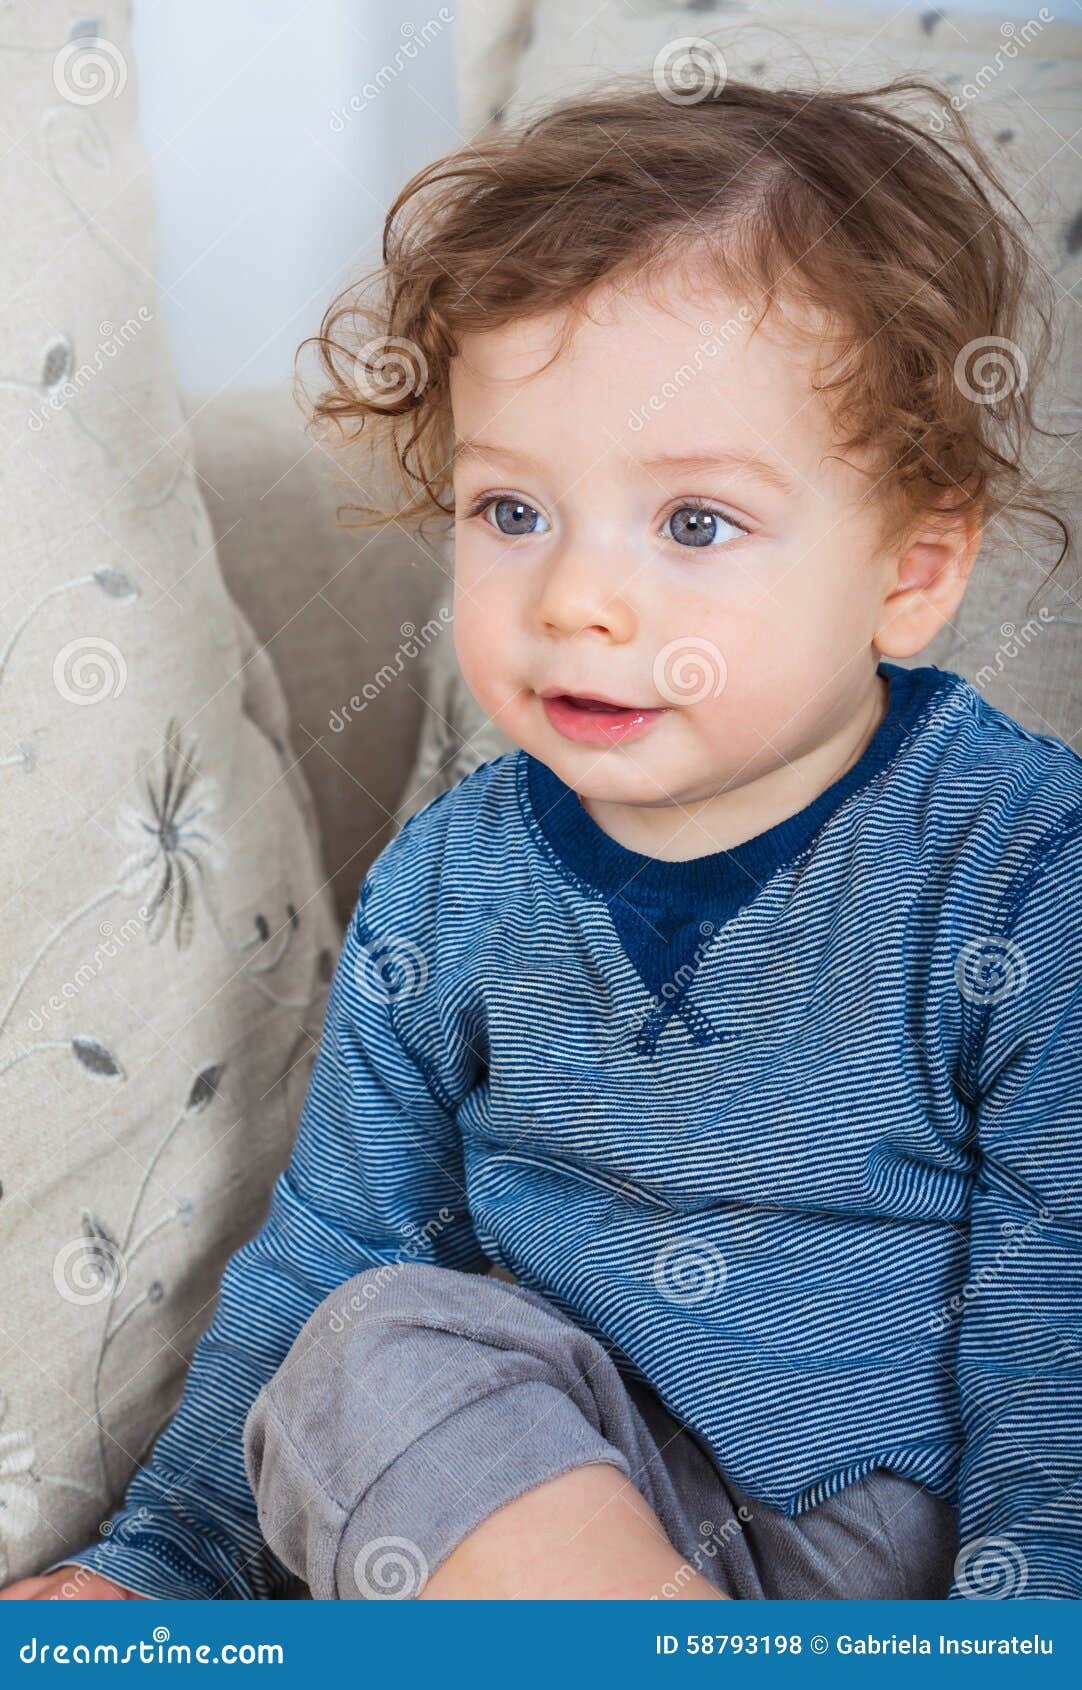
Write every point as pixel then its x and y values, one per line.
pixel 345 610
pixel 166 933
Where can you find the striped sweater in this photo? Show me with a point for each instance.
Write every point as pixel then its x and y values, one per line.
pixel 794 1129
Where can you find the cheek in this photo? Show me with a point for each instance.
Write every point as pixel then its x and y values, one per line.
pixel 469 635
pixel 483 644
pixel 770 625
pixel 745 662
pixel 487 579
pixel 714 639
pixel 490 595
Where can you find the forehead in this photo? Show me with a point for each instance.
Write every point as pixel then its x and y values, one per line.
pixel 644 368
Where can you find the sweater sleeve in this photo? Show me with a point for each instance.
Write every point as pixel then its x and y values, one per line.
pixel 375 1177
pixel 1020 1340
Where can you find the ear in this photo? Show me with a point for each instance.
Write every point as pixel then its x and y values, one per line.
pixel 927 582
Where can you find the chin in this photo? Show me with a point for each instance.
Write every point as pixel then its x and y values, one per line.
pixel 608 777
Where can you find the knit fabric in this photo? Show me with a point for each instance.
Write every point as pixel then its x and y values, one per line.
pixel 793 1129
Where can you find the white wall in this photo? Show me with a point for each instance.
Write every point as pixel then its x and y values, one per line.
pixel 266 203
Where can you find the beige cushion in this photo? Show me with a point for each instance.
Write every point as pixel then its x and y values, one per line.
pixel 1015 636
pixel 345 613
pixel 154 1049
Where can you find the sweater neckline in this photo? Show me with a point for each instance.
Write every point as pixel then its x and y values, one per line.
pixel 612 869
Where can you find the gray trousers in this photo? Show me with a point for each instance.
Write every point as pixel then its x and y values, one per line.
pixel 416 1400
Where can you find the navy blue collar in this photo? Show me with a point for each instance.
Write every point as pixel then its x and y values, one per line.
pixel 611 869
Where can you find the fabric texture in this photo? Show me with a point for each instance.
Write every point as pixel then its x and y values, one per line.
pixel 822 1193
pixel 347 613
pixel 416 1400
pixel 166 935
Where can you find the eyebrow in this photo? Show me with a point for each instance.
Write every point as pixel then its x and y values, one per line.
pixel 723 458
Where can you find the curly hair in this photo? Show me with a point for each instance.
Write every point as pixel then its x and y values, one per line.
pixel 835 200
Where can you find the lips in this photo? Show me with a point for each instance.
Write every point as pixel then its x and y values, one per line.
pixel 587 719
pixel 588 701
pixel 582 703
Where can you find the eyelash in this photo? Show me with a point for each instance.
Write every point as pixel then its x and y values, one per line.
pixel 482 503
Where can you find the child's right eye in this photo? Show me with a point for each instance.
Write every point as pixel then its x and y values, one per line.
pixel 513 516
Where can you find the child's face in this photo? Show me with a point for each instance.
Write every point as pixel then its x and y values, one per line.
pixel 583 574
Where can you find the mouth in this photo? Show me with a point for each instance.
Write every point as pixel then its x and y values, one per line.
pixel 588 701
pixel 589 718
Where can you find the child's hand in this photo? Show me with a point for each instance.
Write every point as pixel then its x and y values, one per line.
pixel 69 1584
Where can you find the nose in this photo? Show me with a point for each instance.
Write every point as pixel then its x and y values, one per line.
pixel 581 594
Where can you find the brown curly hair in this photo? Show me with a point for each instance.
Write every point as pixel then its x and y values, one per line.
pixel 832 199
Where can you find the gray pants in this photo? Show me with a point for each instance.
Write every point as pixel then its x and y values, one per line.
pixel 417 1399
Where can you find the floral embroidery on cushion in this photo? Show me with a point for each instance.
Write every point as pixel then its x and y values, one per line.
pixel 169 839
pixel 93 1267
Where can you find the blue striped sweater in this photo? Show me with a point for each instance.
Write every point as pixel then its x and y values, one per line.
pixel 794 1129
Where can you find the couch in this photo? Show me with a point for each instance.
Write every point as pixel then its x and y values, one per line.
pixel 222 701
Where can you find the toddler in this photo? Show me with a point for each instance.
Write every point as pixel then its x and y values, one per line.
pixel 733 1016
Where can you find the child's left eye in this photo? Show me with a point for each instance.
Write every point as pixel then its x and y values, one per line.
pixel 699 525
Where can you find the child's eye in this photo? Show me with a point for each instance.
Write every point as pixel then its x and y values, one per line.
pixel 513 516
pixel 698 525
pixel 691 525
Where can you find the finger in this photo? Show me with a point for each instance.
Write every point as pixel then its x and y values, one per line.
pixel 22 1589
